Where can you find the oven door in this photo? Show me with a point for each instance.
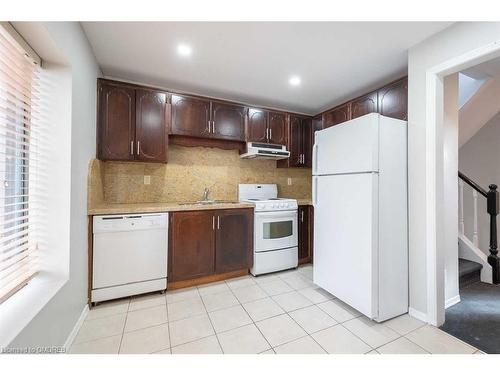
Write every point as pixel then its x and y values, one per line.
pixel 275 230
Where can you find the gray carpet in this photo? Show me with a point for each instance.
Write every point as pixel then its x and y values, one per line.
pixel 476 318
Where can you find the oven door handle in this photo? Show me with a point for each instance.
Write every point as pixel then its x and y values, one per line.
pixel 277 214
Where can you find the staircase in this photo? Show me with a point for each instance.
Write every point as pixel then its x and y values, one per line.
pixel 472 261
pixel 468 272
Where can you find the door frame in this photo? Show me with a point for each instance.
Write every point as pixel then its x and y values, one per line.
pixel 434 172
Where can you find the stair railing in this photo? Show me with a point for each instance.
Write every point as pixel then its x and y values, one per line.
pixel 492 202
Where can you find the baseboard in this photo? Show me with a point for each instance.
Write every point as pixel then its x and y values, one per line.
pixel 417 314
pixel 452 301
pixel 76 328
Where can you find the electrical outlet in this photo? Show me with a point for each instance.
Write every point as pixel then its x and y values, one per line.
pixel 289 181
pixel 147 180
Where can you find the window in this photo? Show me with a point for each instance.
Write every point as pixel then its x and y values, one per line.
pixel 18 163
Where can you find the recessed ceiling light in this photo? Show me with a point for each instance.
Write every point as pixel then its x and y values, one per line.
pixel 294 80
pixel 184 50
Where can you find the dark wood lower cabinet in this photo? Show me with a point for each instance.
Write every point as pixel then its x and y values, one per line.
pixel 233 240
pixel 305 229
pixel 209 242
pixel 191 245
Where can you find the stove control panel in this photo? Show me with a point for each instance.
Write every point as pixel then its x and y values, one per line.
pixel 286 205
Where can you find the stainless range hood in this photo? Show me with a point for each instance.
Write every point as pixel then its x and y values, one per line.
pixel 265 151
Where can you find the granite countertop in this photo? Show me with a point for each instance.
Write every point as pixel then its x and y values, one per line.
pixel 134 208
pixel 304 202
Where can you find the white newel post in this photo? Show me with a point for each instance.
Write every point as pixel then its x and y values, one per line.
pixel 461 227
pixel 475 238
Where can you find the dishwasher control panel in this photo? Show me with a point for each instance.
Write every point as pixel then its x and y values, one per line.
pixel 113 223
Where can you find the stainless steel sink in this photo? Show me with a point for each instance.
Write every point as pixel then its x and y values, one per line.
pixel 209 202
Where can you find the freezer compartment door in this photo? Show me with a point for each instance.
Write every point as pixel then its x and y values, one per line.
pixel 345 239
pixel 350 147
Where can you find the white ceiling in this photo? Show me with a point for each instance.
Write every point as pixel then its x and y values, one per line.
pixel 252 62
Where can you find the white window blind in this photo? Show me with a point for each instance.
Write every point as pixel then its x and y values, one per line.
pixel 19 136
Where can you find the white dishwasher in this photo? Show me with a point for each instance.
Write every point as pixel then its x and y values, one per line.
pixel 129 255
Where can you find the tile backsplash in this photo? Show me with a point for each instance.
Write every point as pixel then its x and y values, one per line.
pixel 188 171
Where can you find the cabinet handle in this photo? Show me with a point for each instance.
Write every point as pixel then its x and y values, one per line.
pixel 218 222
pixel 209 127
pixel 270 133
pixel 267 134
pixel 213 126
pixel 138 147
pixel 213 222
pixel 131 147
pixel 301 216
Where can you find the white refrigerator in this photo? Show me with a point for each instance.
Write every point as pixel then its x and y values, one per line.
pixel 360 214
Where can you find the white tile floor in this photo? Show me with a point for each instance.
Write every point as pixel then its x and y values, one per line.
pixel 279 313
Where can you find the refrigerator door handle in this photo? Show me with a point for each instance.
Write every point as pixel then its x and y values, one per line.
pixel 315 158
pixel 314 190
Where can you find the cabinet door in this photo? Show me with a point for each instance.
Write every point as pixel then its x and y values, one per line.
pixel 364 105
pixel 337 115
pixel 307 142
pixel 257 125
pixel 116 122
pixel 295 141
pixel 234 240
pixel 393 100
pixel 277 128
pixel 191 245
pixel 228 121
pixel 151 125
pixel 317 124
pixel 190 116
pixel 305 232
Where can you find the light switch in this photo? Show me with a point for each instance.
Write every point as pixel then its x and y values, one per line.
pixel 147 180
pixel 289 181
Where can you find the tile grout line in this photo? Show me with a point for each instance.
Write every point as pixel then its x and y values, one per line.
pixel 253 322
pixel 211 323
pixel 168 326
pixel 124 325
pixel 451 336
pixel 456 338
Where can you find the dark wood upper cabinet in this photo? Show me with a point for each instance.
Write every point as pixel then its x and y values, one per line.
pixel 115 122
pixel 317 123
pixel 191 245
pixel 364 105
pixel 190 116
pixel 393 100
pixel 152 118
pixel 305 233
pixel 307 142
pixel 257 125
pixel 228 121
pixel 295 141
pixel 337 115
pixel 299 142
pixel 233 240
pixel 277 128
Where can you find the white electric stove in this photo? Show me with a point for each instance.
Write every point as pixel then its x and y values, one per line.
pixel 275 228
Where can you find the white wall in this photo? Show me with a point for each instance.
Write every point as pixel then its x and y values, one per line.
pixel 452 42
pixel 67 40
pixel 479 110
pixel 450 169
pixel 479 159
